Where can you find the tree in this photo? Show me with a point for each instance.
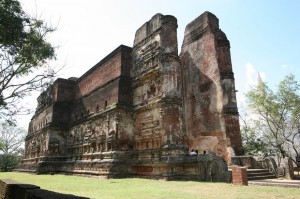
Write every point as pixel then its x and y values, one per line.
pixel 277 114
pixel 289 123
pixel 12 139
pixel 1 145
pixel 24 54
pixel 253 143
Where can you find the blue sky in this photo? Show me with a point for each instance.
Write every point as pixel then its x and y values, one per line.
pixel 264 34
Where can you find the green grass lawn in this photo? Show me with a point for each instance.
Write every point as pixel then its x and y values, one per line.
pixel 144 189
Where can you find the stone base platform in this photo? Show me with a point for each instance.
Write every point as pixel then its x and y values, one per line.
pixel 167 163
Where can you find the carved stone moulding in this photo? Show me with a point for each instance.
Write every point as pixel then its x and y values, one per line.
pixel 170 163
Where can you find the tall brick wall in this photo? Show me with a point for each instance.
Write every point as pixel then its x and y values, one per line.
pixel 105 84
pixel 105 71
pixel 40 120
pixel 53 105
pixel 156 83
pixel 141 98
pixel 125 92
pixel 69 102
pixel 64 90
pixel 98 100
pixel 210 108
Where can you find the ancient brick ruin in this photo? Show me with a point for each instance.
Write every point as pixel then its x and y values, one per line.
pixel 140 110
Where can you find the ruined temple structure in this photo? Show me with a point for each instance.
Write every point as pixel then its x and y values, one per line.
pixel 140 110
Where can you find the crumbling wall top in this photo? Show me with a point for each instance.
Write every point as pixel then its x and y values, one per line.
pixel 206 21
pixel 121 48
pixel 153 25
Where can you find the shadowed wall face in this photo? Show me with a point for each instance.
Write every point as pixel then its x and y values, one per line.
pixel 210 109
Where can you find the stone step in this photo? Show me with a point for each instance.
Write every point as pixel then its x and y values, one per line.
pixel 259 174
pixel 271 176
pixel 257 170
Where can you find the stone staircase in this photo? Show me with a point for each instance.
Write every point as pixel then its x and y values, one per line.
pixel 259 174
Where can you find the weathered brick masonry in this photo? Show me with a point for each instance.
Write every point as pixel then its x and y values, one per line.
pixel 210 109
pixel 239 175
pixel 140 110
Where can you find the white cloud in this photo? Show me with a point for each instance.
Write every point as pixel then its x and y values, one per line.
pixel 289 68
pixel 250 73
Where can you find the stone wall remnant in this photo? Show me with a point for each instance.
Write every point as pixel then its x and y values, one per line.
pixel 210 107
pixel 140 110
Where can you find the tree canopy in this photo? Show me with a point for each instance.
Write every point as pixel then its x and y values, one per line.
pixel 253 142
pixel 1 145
pixel 277 115
pixel 12 139
pixel 24 54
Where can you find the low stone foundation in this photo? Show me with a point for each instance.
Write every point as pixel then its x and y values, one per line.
pixel 166 163
pixel 13 190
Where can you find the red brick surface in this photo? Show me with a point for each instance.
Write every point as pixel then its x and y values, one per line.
pixel 144 98
pixel 239 175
